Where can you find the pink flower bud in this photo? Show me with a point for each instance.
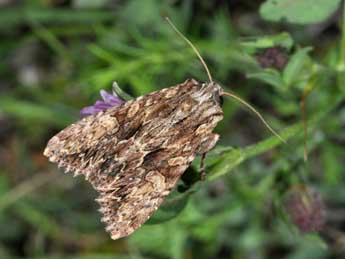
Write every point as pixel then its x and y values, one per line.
pixel 305 208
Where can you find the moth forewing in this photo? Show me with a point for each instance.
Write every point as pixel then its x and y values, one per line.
pixel 135 153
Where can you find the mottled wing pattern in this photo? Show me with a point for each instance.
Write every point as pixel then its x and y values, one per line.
pixel 134 154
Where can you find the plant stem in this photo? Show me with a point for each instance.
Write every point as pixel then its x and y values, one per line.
pixel 233 157
pixel 341 65
pixel 340 69
pixel 25 188
pixel 289 132
pixel 305 94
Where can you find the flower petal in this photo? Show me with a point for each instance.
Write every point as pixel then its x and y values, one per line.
pixel 89 110
pixel 109 100
pixel 102 105
pixel 107 97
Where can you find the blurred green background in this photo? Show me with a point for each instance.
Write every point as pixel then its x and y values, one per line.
pixel 55 57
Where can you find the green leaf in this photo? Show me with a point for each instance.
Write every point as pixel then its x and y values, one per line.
pixel 166 240
pixel 90 256
pixel 4 183
pixel 299 12
pixel 209 229
pixel 38 219
pixel 269 76
pixel 102 54
pixel 14 16
pixel 295 65
pixel 149 13
pixel 332 167
pixel 171 207
pixel 283 39
pixel 227 161
pixel 89 3
pixel 318 241
pixel 34 112
pixel 122 94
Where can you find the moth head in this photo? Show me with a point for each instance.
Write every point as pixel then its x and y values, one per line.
pixel 215 90
pixel 217 93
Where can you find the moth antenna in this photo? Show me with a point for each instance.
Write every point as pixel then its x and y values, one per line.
pixel 256 113
pixel 192 46
pixel 211 80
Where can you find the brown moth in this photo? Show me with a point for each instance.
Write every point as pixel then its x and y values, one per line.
pixel 134 154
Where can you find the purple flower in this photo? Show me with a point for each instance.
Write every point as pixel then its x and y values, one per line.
pixel 305 208
pixel 274 57
pixel 109 100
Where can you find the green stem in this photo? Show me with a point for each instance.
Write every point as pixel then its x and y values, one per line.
pixel 341 65
pixel 24 189
pixel 232 157
pixel 289 132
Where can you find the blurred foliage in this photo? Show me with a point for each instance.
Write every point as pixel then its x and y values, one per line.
pixel 295 11
pixel 57 55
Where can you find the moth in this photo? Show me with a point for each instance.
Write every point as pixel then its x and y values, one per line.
pixel 133 154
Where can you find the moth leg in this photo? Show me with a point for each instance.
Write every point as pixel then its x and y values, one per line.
pixel 202 167
pixel 209 142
